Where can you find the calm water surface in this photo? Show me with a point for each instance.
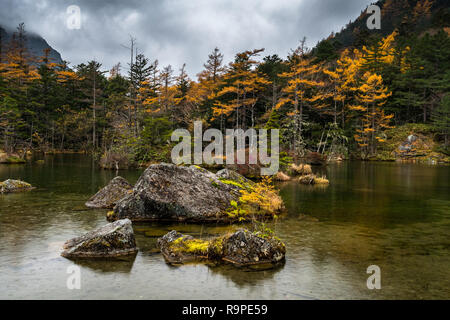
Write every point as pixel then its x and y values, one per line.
pixel 396 216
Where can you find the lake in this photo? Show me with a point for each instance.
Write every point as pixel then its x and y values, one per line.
pixel 395 216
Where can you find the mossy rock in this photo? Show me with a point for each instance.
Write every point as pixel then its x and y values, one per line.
pixel 241 248
pixel 113 240
pixel 167 192
pixel 10 185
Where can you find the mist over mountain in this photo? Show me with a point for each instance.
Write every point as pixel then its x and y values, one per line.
pixel 35 44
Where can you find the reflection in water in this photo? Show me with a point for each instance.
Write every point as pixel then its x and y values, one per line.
pixel 244 277
pixel 103 266
pixel 393 215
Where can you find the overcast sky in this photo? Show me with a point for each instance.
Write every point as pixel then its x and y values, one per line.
pixel 178 31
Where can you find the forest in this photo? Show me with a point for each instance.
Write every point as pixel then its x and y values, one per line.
pixel 342 101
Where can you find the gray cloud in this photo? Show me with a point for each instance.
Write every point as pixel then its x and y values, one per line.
pixel 179 31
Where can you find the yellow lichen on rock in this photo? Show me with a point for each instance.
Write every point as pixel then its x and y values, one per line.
pixel 194 246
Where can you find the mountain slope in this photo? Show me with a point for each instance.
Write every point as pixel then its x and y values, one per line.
pixel 35 43
pixel 407 16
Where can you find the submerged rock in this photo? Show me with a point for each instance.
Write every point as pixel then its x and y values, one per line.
pixel 242 248
pixel 11 185
pixel 113 240
pixel 170 192
pixel 108 196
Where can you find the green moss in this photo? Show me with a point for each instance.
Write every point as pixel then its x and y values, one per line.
pixel 194 246
pixel 215 249
pixel 176 242
pixel 212 248
pixel 242 185
pixel 197 246
pixel 236 211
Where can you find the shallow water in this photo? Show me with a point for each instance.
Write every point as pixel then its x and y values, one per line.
pixel 396 216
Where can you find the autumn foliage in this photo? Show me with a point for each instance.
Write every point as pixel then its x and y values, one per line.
pixel 330 100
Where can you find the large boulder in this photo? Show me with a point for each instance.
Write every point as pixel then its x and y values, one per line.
pixel 107 197
pixel 242 248
pixel 11 185
pixel 170 192
pixel 113 240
